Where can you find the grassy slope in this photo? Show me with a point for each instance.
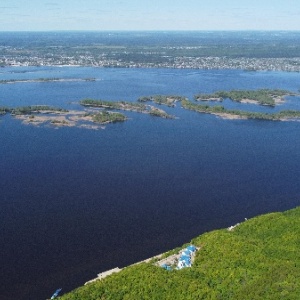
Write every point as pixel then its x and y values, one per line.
pixel 259 259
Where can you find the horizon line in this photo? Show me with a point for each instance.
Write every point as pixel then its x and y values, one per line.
pixel 152 30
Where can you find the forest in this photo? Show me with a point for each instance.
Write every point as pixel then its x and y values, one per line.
pixel 258 259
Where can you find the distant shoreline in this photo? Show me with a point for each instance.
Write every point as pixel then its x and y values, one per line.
pixel 12 81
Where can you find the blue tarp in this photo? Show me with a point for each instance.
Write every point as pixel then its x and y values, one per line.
pixel 191 248
pixel 185 258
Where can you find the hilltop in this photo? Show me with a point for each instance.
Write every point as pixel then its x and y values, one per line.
pixel 257 259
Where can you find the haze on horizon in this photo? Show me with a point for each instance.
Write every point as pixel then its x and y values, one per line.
pixel 102 15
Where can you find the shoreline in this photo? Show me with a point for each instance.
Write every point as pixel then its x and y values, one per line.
pixel 45 80
pixel 158 260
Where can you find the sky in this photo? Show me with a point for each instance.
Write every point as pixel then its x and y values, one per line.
pixel 100 15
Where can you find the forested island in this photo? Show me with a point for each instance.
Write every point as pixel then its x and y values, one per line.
pixel 26 110
pixel 168 100
pixel 240 114
pixel 267 97
pixel 129 106
pixel 104 117
pixel 261 96
pixel 255 259
pixel 44 114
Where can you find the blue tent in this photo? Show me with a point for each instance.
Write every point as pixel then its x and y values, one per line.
pixel 185 258
pixel 191 248
pixel 186 252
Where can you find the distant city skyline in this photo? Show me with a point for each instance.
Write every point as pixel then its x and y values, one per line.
pixel 99 15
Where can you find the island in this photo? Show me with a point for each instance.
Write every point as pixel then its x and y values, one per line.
pixel 88 118
pixel 48 115
pixel 28 110
pixel 99 111
pixel 11 81
pixel 128 106
pixel 256 258
pixel 162 99
pixel 260 96
pixel 105 117
pixel 220 111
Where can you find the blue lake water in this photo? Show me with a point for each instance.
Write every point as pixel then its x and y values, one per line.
pixel 75 202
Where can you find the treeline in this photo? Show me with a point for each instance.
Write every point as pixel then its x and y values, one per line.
pixel 261 96
pixel 4 110
pixel 108 117
pixel 27 110
pixel 123 105
pixel 259 259
pixel 162 99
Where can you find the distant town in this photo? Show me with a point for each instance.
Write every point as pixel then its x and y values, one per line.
pixel 125 59
pixel 253 51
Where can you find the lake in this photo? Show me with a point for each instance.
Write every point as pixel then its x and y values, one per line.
pixel 76 202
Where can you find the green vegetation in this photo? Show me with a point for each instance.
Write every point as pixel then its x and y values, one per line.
pixel 108 117
pixel 4 110
pixel 55 122
pixel 129 106
pixel 259 259
pixel 156 112
pixel 262 96
pixel 220 110
pixel 161 99
pixel 27 110
pixel 121 105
